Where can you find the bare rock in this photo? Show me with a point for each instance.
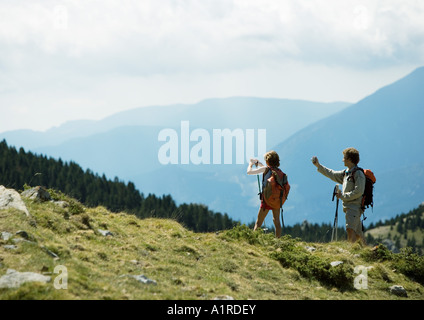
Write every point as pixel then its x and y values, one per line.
pixel 10 247
pixel 223 297
pixel 141 278
pixel 10 198
pixel 62 204
pixel 37 193
pixel 398 291
pixel 14 279
pixel 6 235
pixel 105 233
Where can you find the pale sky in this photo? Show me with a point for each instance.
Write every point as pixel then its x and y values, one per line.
pixel 87 59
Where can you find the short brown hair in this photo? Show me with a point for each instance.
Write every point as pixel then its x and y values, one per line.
pixel 352 154
pixel 272 158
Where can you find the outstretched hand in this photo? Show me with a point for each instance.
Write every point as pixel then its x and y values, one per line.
pixel 315 161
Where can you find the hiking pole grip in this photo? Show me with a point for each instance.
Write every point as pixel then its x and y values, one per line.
pixel 335 224
pixel 335 191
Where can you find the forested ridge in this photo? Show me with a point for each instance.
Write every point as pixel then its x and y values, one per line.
pixel 20 168
pixel 404 230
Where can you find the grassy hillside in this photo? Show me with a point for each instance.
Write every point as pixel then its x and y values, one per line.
pixel 186 265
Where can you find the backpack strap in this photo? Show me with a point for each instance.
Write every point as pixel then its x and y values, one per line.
pixel 352 174
pixel 284 179
pixel 264 174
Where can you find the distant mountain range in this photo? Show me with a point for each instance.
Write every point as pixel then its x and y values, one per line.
pixel 126 145
pixel 386 127
pixel 232 113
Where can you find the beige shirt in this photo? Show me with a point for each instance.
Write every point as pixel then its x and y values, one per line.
pixel 352 190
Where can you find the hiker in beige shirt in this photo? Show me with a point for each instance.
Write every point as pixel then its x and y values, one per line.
pixel 351 193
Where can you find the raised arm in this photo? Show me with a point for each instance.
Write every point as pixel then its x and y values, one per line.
pixel 260 168
pixel 336 176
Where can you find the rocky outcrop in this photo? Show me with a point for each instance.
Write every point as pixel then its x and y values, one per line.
pixel 105 233
pixel 398 291
pixel 10 198
pixel 141 278
pixel 14 279
pixel 37 193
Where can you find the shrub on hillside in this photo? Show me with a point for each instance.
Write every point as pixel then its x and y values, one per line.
pixel 291 254
pixel 410 264
pixel 315 268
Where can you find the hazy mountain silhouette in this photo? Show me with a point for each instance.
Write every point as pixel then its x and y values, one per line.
pixel 232 113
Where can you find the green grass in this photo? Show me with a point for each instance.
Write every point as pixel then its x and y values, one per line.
pixel 187 265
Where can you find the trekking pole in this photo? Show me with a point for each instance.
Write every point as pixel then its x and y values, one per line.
pixel 336 190
pixel 259 184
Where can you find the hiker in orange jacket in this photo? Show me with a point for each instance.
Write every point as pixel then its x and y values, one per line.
pixel 272 161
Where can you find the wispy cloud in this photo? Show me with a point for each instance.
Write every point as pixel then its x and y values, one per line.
pixel 77 47
pixel 177 36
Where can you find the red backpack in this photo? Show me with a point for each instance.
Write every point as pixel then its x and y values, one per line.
pixel 275 187
pixel 367 197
